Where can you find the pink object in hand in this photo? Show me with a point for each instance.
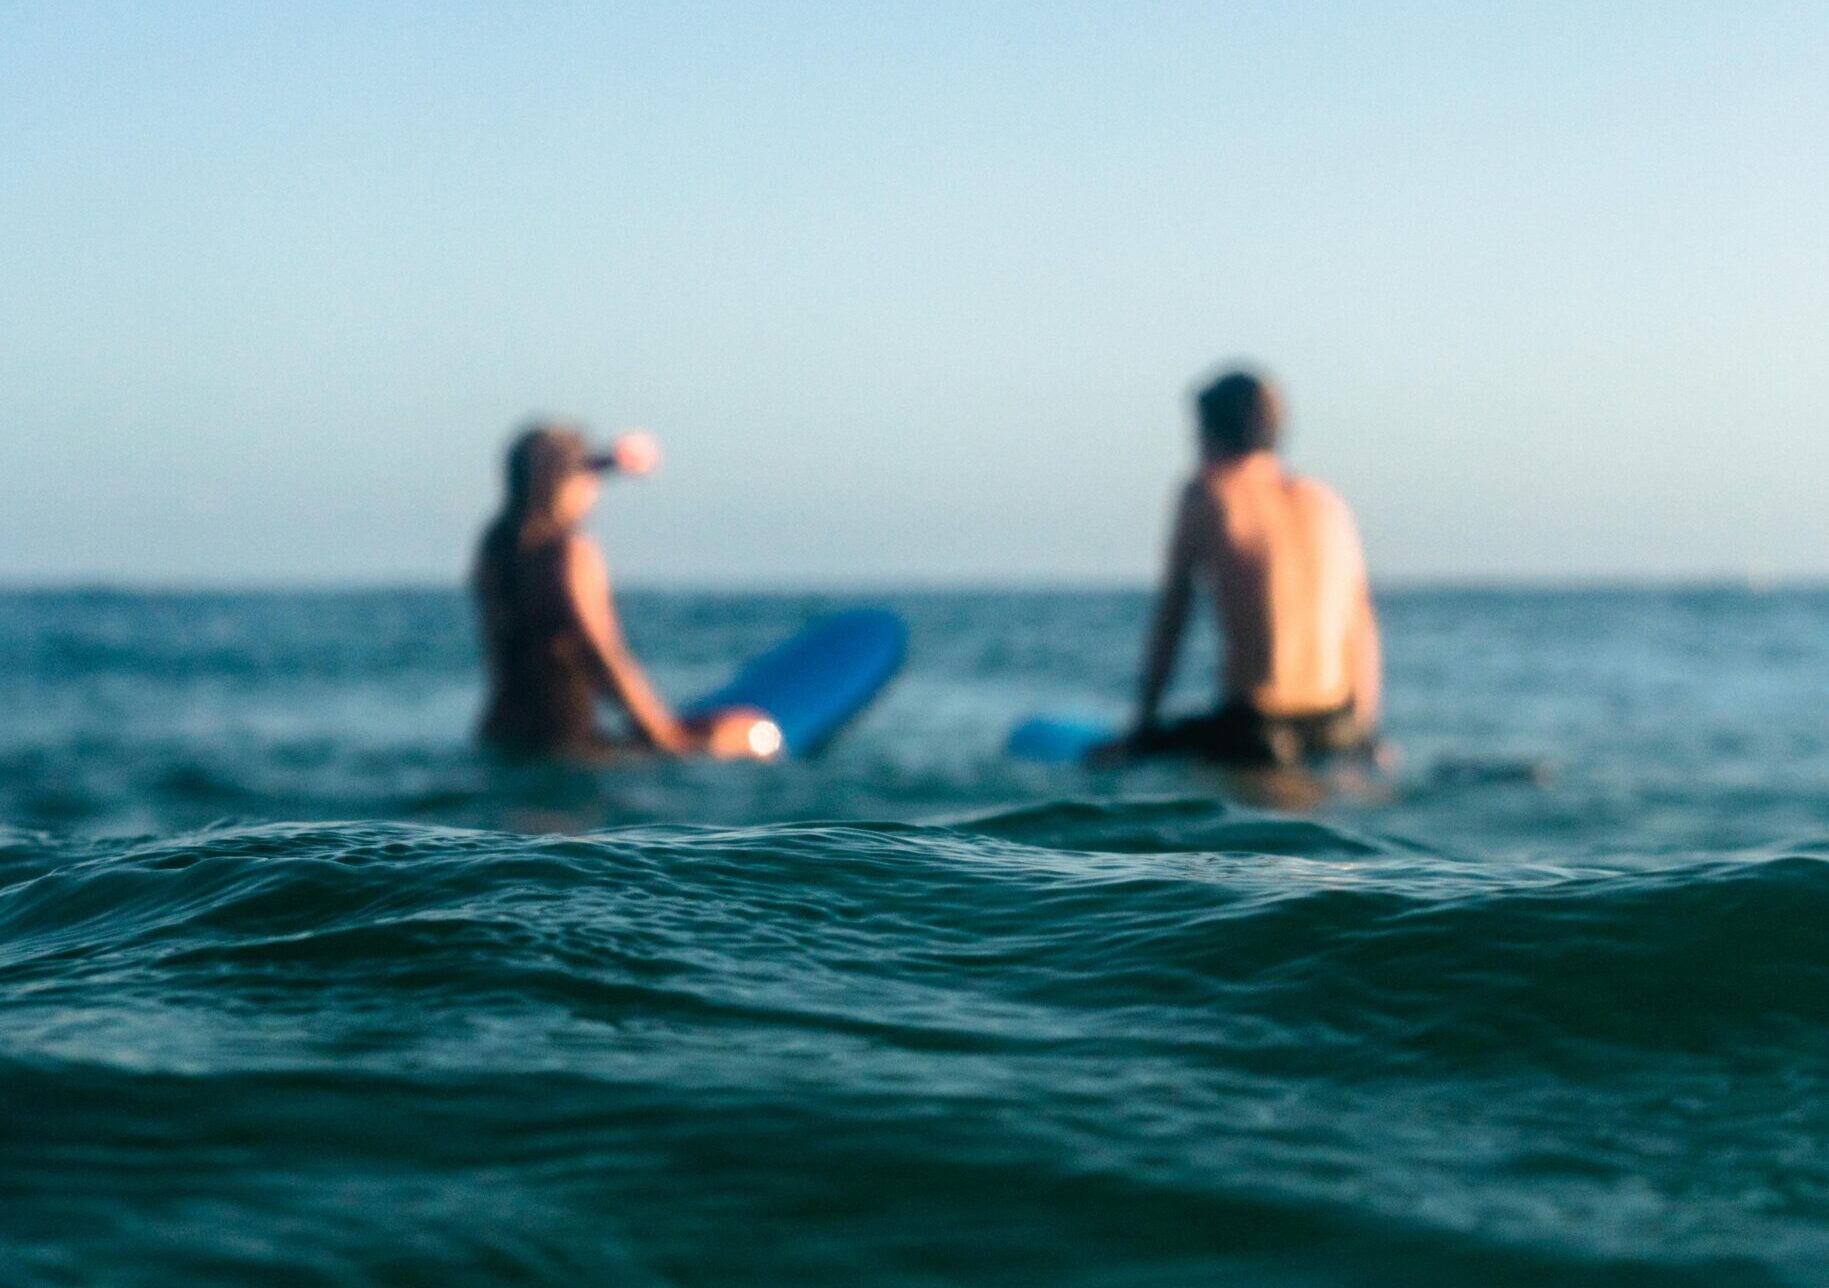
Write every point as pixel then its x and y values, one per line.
pixel 635 453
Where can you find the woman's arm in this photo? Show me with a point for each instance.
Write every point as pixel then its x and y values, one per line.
pixel 587 592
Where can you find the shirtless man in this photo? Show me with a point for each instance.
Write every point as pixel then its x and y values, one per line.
pixel 1280 556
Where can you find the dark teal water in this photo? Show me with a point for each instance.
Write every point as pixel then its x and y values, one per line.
pixel 296 988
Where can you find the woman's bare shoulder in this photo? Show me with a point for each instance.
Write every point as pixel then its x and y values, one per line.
pixel 578 554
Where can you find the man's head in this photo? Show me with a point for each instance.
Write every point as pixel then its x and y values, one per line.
pixel 1239 413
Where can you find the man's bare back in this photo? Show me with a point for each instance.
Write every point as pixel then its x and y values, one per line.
pixel 1282 560
pixel 1279 555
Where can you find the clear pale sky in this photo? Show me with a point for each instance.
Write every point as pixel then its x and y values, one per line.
pixel 910 291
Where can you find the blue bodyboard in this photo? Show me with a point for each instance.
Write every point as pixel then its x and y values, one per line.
pixel 811 684
pixel 1059 740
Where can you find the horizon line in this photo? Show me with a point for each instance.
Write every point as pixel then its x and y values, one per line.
pixel 915 585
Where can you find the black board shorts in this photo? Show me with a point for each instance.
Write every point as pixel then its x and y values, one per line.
pixel 1237 734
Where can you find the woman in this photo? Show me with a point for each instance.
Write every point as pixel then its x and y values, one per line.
pixel 549 628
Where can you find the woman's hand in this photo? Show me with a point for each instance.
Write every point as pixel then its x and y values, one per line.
pixel 742 733
pixel 635 453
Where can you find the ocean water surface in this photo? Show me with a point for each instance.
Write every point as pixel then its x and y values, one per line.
pixel 297 987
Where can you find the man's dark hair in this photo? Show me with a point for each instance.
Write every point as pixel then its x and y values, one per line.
pixel 1239 413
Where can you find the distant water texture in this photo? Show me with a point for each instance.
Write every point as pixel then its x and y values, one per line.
pixel 297 988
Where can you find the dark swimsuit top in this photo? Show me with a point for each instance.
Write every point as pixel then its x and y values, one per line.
pixel 542 681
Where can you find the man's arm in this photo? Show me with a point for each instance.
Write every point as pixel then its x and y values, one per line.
pixel 587 588
pixel 1171 616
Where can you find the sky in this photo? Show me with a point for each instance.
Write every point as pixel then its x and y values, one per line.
pixel 909 292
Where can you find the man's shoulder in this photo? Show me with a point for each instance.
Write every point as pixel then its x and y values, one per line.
pixel 1326 513
pixel 1316 494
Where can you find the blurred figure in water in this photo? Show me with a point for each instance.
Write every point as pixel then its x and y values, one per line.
pixel 1279 555
pixel 550 634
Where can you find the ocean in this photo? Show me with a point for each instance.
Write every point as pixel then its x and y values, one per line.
pixel 298 987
